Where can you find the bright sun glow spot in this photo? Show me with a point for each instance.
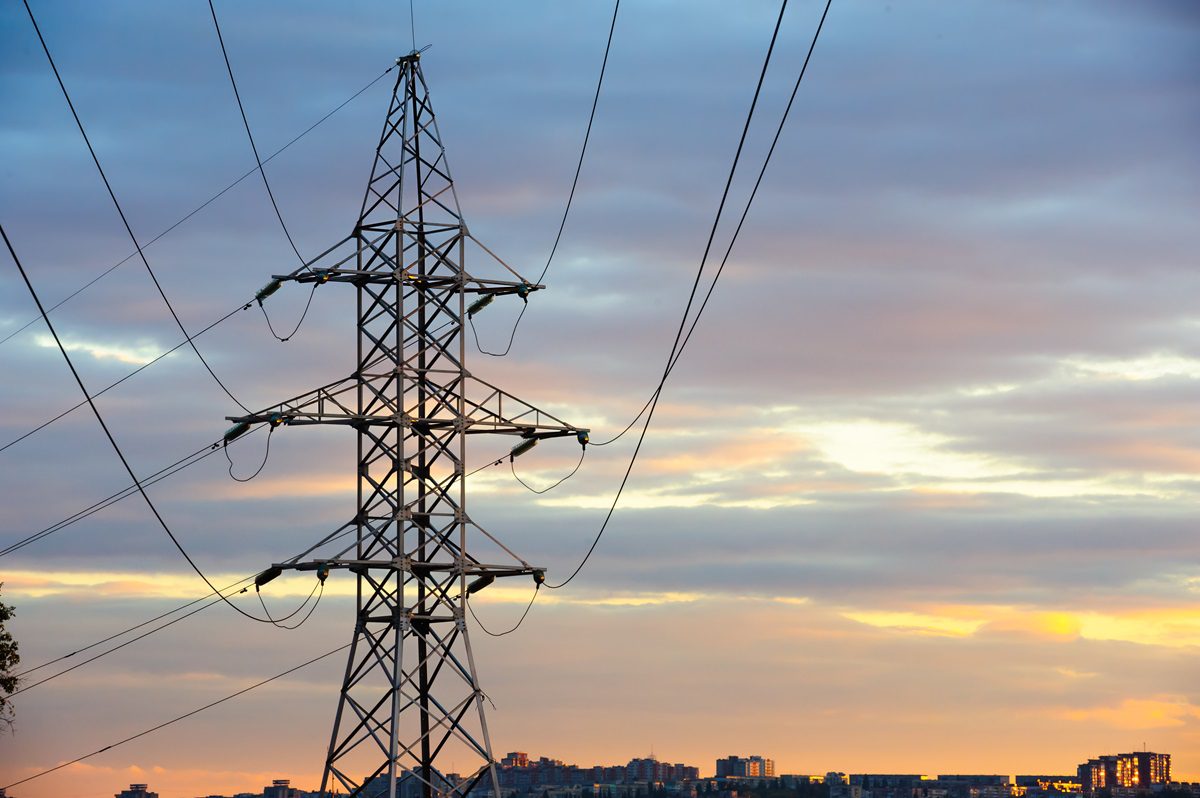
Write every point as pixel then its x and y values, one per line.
pixel 884 447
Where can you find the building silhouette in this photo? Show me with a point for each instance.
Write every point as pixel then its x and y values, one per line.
pixel 1139 770
pixel 137 791
pixel 750 767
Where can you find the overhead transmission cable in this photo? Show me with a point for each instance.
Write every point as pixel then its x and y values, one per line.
pixel 179 465
pixel 733 239
pixel 229 589
pixel 217 600
pixel 178 718
pixel 253 147
pixel 280 621
pixel 195 210
pixel 193 602
pixel 680 339
pixel 570 197
pixel 187 461
pixel 137 370
pixel 120 212
pixel 134 628
pixel 261 466
pixel 512 463
pixel 259 297
pixel 515 626
pixel 25 687
pixel 108 433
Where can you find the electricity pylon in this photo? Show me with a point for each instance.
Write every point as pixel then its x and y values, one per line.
pixel 410 697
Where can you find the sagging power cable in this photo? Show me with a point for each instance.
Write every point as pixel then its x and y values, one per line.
pixel 570 196
pixel 227 589
pixel 680 339
pixel 197 209
pixel 178 718
pixel 261 466
pixel 196 601
pixel 136 371
pixel 512 463
pixel 186 461
pixel 253 147
pixel 279 622
pixel 283 339
pixel 239 587
pixel 515 626
pixel 121 212
pixel 108 433
pixel 25 687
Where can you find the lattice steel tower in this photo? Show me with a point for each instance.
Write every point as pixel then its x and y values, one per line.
pixel 411 698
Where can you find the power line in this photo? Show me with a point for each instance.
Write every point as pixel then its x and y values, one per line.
pixel 129 642
pixel 124 493
pixel 681 342
pixel 134 628
pixel 279 622
pixel 570 197
pixel 196 210
pixel 653 403
pixel 259 297
pixel 121 213
pixel 178 718
pixel 137 370
pixel 285 338
pixel 512 462
pixel 193 602
pixel 758 182
pixel 104 426
pixel 220 595
pixel 261 466
pixel 246 123
pixel 737 230
pixel 515 626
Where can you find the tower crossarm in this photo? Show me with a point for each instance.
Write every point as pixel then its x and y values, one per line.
pixel 488 410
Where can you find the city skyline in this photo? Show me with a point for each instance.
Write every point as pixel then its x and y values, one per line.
pixel 920 493
pixel 523 774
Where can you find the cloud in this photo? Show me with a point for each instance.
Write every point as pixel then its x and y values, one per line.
pixel 138 354
pixel 1139 713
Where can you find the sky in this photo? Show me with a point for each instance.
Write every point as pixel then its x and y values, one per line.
pixel 921 495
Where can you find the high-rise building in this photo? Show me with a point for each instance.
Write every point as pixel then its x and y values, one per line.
pixel 1136 770
pixel 1143 768
pixel 737 767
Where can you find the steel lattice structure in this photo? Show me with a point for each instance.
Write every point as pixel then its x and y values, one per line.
pixel 410 696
